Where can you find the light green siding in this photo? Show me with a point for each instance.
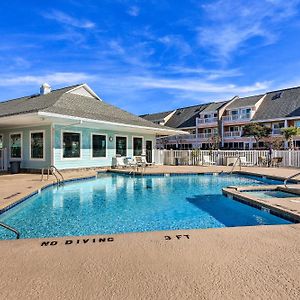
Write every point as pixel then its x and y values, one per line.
pixel 86 159
pixel 26 162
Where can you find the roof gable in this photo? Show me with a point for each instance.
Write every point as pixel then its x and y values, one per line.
pixel 185 117
pixel 249 101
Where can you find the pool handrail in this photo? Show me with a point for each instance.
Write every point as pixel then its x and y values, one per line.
pixel 11 229
pixel 59 181
pixel 237 159
pixel 288 178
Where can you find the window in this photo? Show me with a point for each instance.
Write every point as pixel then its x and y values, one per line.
pixel 71 145
pixel 98 145
pixel 234 112
pixel 137 146
pixel 121 145
pixel 1 141
pixel 16 145
pixel 297 124
pixel 277 95
pixel 278 125
pixel 37 145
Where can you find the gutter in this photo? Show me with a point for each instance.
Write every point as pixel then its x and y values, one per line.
pixel 79 119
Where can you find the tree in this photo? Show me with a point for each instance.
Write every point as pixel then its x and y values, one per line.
pixel 213 142
pixel 273 142
pixel 289 134
pixel 257 131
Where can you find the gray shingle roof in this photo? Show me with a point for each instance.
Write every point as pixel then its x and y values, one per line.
pixel 31 103
pixel 156 116
pixel 60 102
pixel 244 102
pixel 185 117
pixel 212 107
pixel 279 104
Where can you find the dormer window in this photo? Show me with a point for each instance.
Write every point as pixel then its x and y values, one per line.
pixel 277 95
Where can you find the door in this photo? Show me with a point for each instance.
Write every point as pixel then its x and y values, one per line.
pixel 149 151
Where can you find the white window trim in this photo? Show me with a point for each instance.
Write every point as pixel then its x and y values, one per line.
pixel 44 145
pixel 62 142
pixel 115 145
pixel 143 144
pixel 9 147
pixel 91 147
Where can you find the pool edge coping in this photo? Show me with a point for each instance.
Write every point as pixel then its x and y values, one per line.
pixel 234 193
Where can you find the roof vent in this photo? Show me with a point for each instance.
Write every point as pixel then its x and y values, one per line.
pixel 45 89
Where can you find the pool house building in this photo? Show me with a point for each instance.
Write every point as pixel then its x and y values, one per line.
pixel 71 128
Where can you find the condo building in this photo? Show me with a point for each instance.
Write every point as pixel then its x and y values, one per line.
pixel 220 124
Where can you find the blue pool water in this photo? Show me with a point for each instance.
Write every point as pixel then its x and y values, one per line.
pixel 117 203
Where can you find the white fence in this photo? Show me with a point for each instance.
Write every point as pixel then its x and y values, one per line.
pixel 3 159
pixel 290 158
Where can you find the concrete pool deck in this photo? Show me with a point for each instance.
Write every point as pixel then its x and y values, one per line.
pixel 258 262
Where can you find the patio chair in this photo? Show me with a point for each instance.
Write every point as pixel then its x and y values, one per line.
pixel 120 162
pixel 244 162
pixel 276 161
pixel 144 161
pixel 262 161
pixel 207 160
pixel 131 162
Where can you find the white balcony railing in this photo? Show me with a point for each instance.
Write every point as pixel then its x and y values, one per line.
pixel 236 118
pixel 177 138
pixel 206 120
pixel 207 135
pixel 228 134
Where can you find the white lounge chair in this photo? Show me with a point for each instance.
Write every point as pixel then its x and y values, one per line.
pixel 244 162
pixel 144 161
pixel 207 160
pixel 120 162
pixel 131 162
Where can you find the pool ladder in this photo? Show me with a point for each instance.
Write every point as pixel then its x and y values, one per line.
pixel 288 178
pixel 238 159
pixel 59 181
pixel 11 229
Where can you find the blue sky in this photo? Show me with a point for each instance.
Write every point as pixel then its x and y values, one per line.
pixel 149 56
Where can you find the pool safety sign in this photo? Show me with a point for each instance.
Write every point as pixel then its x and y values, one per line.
pixel 82 241
pixel 101 240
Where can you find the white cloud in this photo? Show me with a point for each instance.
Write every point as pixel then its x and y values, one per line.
pixel 200 86
pixel 133 11
pixel 232 23
pixel 176 41
pixel 52 78
pixel 63 18
pixel 210 74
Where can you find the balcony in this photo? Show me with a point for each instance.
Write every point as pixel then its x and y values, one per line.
pixel 178 138
pixel 203 121
pixel 207 135
pixel 232 134
pixel 237 118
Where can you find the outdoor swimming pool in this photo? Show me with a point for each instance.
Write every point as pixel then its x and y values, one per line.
pixel 119 203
